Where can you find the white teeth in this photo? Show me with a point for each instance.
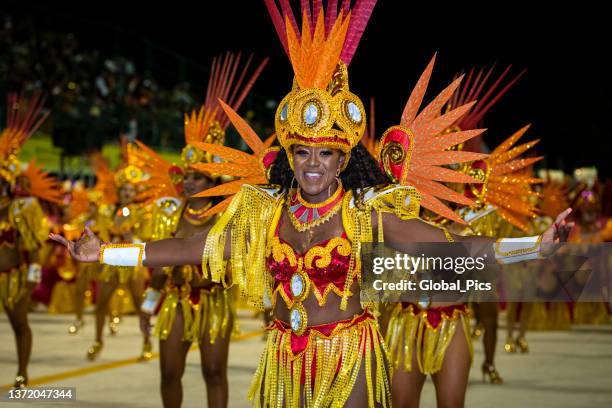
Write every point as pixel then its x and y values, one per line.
pixel 312 174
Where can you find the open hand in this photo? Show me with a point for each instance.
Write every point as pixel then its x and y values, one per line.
pixel 557 233
pixel 86 249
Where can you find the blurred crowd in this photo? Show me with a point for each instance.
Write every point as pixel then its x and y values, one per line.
pixel 93 97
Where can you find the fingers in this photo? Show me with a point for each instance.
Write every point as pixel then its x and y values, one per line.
pixel 563 215
pixel 60 239
pixel 89 232
pixel 567 229
pixel 562 231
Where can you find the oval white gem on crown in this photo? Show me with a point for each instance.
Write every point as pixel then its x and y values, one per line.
pixel 297 285
pixel 190 154
pixel 354 112
pixel 283 114
pixel 296 320
pixel 311 113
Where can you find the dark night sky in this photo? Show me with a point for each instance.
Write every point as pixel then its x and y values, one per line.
pixel 565 93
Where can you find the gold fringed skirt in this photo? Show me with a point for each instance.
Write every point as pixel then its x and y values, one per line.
pixel 13 285
pixel 207 314
pixel 429 330
pixel 591 313
pixel 320 367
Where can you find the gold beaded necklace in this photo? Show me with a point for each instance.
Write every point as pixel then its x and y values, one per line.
pixel 194 217
pixel 305 216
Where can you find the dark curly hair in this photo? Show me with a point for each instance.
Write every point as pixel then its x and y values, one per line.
pixel 362 170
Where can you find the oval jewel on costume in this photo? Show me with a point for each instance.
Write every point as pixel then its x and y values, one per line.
pixel 297 285
pixel 311 114
pixel 189 154
pixel 296 320
pixel 283 113
pixel 353 112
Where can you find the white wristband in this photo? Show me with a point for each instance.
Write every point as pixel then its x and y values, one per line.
pixel 151 301
pixel 34 273
pixel 510 250
pixel 123 254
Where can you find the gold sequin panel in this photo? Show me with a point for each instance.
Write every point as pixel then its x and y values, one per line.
pixel 408 330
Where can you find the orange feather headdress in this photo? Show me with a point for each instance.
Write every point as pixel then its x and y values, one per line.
pixel 34 181
pixel 320 110
pixel 105 180
pixel 208 124
pixel 24 118
pixel 204 133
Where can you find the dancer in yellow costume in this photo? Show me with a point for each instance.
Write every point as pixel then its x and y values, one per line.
pixel 407 322
pixel 299 239
pixel 434 338
pixel 23 225
pixel 130 224
pixel 94 208
pixel 193 309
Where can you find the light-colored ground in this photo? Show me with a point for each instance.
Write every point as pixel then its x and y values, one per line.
pixel 563 369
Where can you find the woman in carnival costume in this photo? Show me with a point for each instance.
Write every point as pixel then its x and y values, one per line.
pixel 93 208
pixel 193 309
pixel 593 228
pixel 299 239
pixel 433 338
pixel 129 223
pixel 23 225
pixel 409 319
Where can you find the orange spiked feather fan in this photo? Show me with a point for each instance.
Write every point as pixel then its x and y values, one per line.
pixel 505 180
pixel 247 168
pixel 415 152
pixel 40 184
pixel 25 116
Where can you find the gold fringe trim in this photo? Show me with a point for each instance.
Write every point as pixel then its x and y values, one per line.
pixel 247 221
pixel 339 358
pixel 407 330
pixel 591 313
pixel 212 315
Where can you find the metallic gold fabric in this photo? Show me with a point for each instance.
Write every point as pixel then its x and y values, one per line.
pixel 329 367
pixel 408 331
pixel 13 285
pixel 212 314
pixel 28 218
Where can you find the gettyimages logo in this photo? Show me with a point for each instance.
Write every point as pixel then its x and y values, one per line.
pixel 412 264
pixel 445 272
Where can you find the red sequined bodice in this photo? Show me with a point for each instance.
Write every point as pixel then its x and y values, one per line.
pixel 326 264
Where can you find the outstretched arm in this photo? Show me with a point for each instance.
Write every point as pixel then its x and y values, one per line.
pixel 175 251
pixel 407 235
pixel 166 252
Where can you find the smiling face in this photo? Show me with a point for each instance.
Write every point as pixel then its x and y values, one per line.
pixel 196 182
pixel 315 170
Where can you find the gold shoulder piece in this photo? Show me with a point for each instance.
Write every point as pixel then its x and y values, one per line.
pixel 403 201
pixel 165 215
